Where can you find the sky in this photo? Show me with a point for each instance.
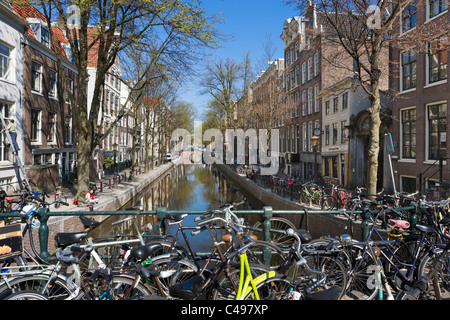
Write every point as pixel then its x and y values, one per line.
pixel 248 22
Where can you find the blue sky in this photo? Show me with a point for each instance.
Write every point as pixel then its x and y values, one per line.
pixel 248 22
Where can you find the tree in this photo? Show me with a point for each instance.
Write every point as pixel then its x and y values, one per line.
pixel 362 29
pixel 220 80
pixel 102 30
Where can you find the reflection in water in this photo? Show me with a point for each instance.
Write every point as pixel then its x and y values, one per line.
pixel 185 187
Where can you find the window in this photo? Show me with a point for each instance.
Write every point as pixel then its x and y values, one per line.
pixel 310 68
pixel 68 130
pixel 36 76
pixel 408 184
pixel 297 74
pixel 316 64
pixel 304 136
pixel 51 127
pixel 69 89
pixel 334 163
pixel 297 138
pixel 343 124
pixel 304 103
pixel 52 78
pixel 408 61
pixel 310 100
pixel 35 125
pixel 327 107
pixel 437 61
pixel 303 72
pixel 327 167
pixel 37 159
pixel 335 133
pixel 5 58
pixel 336 104
pixel 107 101
pixel 310 135
pixel 409 16
pixel 5 154
pixel 437 131
pixel 345 101
pixel 408 133
pixel 437 6
pixel 316 98
pixel 45 37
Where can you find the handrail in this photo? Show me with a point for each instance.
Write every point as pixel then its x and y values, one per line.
pixel 44 214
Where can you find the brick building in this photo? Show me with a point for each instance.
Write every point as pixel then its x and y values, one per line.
pixel 49 153
pixel 420 110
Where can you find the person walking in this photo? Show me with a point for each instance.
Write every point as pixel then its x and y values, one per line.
pixel 12 132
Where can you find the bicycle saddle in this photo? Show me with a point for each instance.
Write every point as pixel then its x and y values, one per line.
pixel 88 222
pixel 143 252
pixel 304 235
pixel 187 290
pixel 65 239
pixel 402 224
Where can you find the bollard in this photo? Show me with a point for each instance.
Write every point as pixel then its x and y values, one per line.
pixel 109 183
pixel 365 222
pixel 101 186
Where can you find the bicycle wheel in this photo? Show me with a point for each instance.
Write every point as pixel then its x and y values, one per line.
pixel 443 272
pixel 362 284
pixel 334 268
pixel 329 202
pixel 280 239
pixel 123 289
pixel 224 288
pixel 266 253
pixel 171 272
pixel 60 289
pixel 26 295
pixel 275 288
pixel 401 260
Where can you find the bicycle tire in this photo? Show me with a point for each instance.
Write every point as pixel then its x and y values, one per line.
pixel 266 253
pixel 61 288
pixel 360 285
pixel 26 295
pixel 274 288
pixel 121 283
pixel 223 288
pixel 172 271
pixel 280 239
pixel 443 273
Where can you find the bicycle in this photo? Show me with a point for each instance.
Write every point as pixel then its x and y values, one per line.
pixel 280 287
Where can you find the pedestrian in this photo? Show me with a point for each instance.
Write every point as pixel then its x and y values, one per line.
pixel 90 196
pixel 12 132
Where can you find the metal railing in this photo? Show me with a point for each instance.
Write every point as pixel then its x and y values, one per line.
pixel 44 214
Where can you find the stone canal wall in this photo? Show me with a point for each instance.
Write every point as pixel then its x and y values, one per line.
pixel 109 200
pixel 317 224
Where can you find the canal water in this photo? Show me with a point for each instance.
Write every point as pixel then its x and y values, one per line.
pixel 185 187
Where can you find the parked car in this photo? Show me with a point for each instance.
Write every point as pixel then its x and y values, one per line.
pixel 168 157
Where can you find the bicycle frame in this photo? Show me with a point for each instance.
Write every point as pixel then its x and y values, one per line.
pixel 246 281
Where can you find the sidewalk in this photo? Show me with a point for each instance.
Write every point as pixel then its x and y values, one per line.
pixel 109 196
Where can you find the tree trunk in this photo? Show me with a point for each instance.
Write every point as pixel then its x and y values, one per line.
pixel 374 142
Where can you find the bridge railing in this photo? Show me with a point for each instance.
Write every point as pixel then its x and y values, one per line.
pixel 43 215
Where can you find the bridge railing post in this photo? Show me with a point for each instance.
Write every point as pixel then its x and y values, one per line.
pixel 161 216
pixel 43 232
